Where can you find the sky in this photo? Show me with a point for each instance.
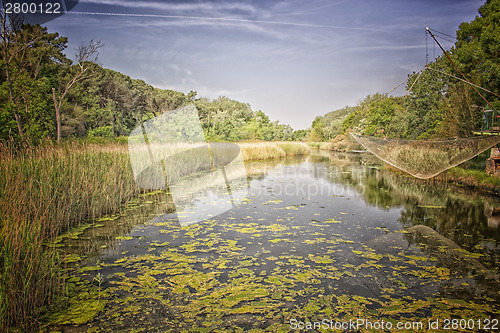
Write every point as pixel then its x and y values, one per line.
pixel 292 59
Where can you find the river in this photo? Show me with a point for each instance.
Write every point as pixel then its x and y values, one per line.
pixel 328 240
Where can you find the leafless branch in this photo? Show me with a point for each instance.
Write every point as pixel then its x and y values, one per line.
pixel 89 52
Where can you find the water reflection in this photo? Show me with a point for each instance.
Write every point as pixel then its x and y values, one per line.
pixel 104 235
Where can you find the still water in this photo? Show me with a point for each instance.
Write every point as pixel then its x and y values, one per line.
pixel 323 240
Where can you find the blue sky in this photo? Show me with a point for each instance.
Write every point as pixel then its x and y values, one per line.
pixel 292 59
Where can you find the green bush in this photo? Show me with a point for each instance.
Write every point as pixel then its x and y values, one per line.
pixel 103 132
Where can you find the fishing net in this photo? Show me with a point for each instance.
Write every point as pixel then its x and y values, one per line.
pixel 425 159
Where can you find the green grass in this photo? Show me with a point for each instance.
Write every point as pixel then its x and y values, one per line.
pixel 421 162
pixel 293 148
pixel 473 177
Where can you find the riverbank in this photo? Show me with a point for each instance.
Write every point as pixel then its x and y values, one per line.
pixel 472 178
pixel 252 151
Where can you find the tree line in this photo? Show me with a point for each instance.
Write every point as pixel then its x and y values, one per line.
pixel 46 95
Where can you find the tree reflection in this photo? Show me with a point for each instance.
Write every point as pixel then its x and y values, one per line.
pixel 463 215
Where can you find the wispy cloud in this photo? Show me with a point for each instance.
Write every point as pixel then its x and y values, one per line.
pixel 209 20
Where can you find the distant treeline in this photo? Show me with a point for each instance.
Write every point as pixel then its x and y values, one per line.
pixel 438 105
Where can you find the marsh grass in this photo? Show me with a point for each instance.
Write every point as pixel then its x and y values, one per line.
pixel 294 148
pixel 159 164
pixel 43 192
pixel 427 158
pixel 272 150
pixel 320 145
pixel 420 161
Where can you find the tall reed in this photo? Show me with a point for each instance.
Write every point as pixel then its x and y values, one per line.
pixel 42 192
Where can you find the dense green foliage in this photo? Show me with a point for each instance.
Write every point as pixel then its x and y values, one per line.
pixel 437 105
pixel 325 128
pixel 376 115
pixel 477 50
pixel 230 120
pixel 31 60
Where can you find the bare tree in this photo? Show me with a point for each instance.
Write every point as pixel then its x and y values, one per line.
pixel 86 57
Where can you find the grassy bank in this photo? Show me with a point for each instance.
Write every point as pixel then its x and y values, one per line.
pixel 44 191
pixel 472 178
